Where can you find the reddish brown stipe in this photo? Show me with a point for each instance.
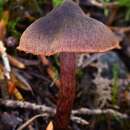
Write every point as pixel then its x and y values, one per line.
pixel 67 90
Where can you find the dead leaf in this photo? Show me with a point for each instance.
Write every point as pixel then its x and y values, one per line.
pixel 50 126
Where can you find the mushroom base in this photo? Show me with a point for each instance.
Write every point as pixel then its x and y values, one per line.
pixel 66 91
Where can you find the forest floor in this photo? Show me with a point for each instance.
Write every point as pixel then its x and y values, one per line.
pixel 29 85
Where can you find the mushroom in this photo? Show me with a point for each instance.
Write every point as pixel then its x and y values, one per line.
pixel 67 30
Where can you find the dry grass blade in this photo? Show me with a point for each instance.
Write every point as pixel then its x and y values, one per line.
pixel 7 68
pixel 20 81
pixel 15 62
pixel 50 70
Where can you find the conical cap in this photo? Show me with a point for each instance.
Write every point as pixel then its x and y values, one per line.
pixel 67 29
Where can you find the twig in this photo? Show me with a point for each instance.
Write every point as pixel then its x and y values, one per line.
pixel 27 105
pixel 121 29
pixel 89 59
pixel 106 5
pixel 103 5
pixel 28 122
pixel 86 111
pixel 51 111
pixel 79 120
pixel 112 16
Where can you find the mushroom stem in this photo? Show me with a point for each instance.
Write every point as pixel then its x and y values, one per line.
pixel 66 91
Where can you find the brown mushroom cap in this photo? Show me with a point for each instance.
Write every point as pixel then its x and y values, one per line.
pixel 67 29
